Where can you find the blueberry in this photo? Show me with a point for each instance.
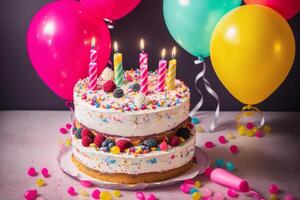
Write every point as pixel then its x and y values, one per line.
pixel 147 148
pixel 111 144
pixel 104 143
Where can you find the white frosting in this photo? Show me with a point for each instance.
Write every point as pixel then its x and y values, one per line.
pixel 141 99
pixel 139 123
pixel 108 74
pixel 156 161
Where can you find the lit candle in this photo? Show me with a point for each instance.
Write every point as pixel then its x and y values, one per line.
pixel 162 70
pixel 143 59
pixel 172 71
pixel 93 68
pixel 118 66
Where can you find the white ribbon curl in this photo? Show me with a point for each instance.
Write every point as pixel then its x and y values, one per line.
pixel 201 76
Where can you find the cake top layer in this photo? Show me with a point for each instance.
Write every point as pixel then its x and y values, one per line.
pixel 131 100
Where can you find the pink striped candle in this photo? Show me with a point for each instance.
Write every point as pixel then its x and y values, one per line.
pixel 143 59
pixel 162 71
pixel 93 68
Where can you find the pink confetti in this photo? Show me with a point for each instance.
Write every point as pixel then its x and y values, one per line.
pixel 45 172
pixel 96 194
pixel 273 189
pixel 250 125
pixel 31 171
pixel 234 149
pixel 68 126
pixel 86 184
pixel 151 197
pixel 189 181
pixel 71 191
pixel 232 193
pixel 289 197
pixel 206 192
pixel 140 195
pixel 185 188
pixel 222 140
pixel 31 194
pixel 259 133
pixel 208 198
pixel 63 130
pixel 209 144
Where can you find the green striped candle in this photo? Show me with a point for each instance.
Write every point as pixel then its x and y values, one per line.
pixel 118 66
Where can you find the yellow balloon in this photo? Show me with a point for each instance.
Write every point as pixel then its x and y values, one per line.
pixel 252 51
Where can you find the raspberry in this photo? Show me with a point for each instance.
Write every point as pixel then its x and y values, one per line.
pixel 123 144
pixel 86 141
pixel 184 133
pixel 151 142
pixel 174 141
pixel 99 139
pixel 118 93
pixel 109 86
pixel 87 133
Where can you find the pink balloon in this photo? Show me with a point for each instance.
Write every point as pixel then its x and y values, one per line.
pixel 110 9
pixel 59 43
pixel 287 8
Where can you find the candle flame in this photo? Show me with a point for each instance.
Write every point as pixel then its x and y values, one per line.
pixel 116 46
pixel 163 53
pixel 93 42
pixel 173 52
pixel 142 45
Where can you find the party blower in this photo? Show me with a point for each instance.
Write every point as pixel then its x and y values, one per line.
pixel 229 180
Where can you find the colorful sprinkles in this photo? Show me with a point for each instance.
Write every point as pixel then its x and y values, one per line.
pixel 124 101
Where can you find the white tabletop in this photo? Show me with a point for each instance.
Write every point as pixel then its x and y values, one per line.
pixel 31 138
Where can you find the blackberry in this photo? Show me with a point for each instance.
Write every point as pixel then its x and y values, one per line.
pixel 135 87
pixel 118 93
pixel 184 133
pixel 77 133
pixel 151 142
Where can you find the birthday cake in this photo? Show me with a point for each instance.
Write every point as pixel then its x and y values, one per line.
pixel 124 136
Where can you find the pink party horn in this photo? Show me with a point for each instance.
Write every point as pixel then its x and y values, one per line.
pixel 227 179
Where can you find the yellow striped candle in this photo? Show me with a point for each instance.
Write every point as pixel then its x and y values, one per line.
pixel 118 66
pixel 172 71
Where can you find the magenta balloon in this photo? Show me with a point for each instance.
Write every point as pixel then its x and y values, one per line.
pixel 59 43
pixel 110 9
pixel 287 8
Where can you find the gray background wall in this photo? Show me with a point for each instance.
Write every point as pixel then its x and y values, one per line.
pixel 21 88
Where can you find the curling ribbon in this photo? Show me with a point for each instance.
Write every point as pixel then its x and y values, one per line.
pixel 249 110
pixel 201 75
pixel 70 106
pixel 110 23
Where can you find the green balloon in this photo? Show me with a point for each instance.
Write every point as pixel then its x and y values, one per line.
pixel 191 22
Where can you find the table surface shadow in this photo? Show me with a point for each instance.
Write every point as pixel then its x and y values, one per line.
pixel 32 138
